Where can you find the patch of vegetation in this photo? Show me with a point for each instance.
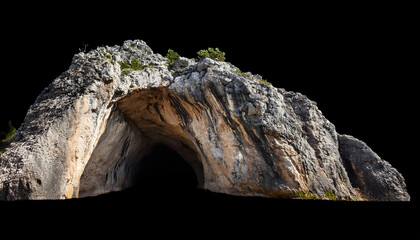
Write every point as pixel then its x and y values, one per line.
pixel 242 73
pixel 305 195
pixel 238 71
pixel 134 65
pixel 7 138
pixel 109 56
pixel 330 195
pixel 172 56
pixel 125 68
pixel 213 53
pixel 264 81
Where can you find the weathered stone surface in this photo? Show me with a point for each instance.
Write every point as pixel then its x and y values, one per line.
pixel 88 130
pixel 375 177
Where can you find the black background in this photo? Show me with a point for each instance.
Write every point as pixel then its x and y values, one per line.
pixel 356 62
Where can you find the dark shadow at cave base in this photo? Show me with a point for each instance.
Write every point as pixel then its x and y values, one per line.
pixel 163 173
pixel 164 170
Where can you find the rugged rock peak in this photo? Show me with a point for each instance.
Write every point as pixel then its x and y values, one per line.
pixel 88 131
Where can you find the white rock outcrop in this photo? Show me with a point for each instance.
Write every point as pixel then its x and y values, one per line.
pixel 88 130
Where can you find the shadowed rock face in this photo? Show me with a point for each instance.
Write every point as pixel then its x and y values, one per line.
pixel 91 128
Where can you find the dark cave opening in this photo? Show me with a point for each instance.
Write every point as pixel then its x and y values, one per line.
pixel 164 172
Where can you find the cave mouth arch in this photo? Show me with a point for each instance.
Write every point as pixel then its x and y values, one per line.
pixel 140 128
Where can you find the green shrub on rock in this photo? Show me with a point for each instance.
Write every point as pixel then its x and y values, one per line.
pixel 135 65
pixel 214 54
pixel 172 56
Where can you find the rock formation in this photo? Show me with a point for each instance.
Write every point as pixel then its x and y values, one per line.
pixel 88 130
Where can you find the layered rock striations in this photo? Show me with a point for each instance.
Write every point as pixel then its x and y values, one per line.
pixel 87 132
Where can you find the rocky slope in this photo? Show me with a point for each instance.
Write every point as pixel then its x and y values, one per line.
pixel 88 130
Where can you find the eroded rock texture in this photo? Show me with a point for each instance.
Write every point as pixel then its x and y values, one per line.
pixel 88 131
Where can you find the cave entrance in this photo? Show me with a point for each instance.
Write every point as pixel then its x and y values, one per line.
pixel 144 146
pixel 154 169
pixel 164 171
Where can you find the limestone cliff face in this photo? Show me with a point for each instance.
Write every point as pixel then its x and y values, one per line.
pixel 88 130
